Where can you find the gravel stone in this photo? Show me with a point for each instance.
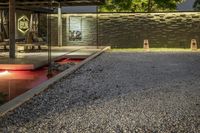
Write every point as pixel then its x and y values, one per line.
pixel 118 93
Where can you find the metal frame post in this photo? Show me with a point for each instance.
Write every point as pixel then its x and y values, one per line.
pixel 49 74
pixel 12 51
pixel 59 25
pixel 97 26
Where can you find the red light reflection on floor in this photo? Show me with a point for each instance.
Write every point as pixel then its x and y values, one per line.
pixel 17 82
pixel 14 83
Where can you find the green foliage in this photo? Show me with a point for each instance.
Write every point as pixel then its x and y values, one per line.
pixel 115 5
pixel 139 5
pixel 2 98
pixel 167 4
pixel 196 5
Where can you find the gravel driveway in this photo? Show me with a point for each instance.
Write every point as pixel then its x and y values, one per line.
pixel 118 92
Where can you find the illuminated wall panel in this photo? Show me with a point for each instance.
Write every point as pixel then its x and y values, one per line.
pixel 86 23
pixel 75 28
pixel 21 33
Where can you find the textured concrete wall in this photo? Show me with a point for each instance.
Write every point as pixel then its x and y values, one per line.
pixel 130 29
pixel 161 29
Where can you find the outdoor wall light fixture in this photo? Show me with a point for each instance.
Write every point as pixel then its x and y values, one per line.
pixel 23 24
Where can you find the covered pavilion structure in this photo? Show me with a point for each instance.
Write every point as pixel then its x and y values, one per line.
pixel 41 5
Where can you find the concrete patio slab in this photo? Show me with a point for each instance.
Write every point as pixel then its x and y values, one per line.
pixel 34 60
pixel 40 88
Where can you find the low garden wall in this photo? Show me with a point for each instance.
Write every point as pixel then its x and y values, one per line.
pixel 128 30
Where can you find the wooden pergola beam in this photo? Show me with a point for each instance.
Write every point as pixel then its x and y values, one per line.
pixel 47 3
pixel 12 28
